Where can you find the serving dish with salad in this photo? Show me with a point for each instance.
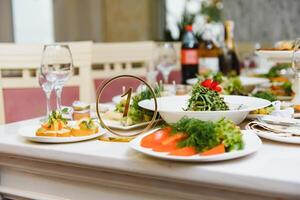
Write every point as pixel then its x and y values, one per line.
pixel 205 103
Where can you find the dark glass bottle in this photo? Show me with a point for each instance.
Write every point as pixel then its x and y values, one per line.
pixel 189 55
pixel 228 59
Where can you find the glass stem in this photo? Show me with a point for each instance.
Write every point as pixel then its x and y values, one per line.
pixel 166 77
pixel 58 91
pixel 48 95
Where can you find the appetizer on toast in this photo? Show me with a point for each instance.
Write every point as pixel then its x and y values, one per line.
pixel 55 126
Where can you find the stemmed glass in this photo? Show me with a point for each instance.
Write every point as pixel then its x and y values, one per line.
pixel 166 60
pixel 57 67
pixel 47 87
pixel 296 69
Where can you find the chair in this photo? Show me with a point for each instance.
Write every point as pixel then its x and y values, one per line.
pixel 20 94
pixel 111 59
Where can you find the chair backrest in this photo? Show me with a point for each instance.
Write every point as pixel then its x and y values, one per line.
pixel 111 59
pixel 19 64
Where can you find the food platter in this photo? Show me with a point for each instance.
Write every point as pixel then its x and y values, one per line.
pixel 276 55
pixel 172 110
pixel 251 141
pixel 28 132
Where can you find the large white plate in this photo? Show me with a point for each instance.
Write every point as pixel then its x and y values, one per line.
pixel 28 132
pixel 171 109
pixel 275 55
pixel 252 144
pixel 246 81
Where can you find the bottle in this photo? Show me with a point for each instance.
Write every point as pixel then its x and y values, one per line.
pixel 208 52
pixel 228 59
pixel 189 55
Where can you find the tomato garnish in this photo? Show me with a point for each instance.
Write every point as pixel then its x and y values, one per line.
pixel 212 85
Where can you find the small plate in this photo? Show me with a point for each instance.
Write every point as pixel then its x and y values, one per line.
pixel 254 116
pixel 276 55
pixel 28 132
pixel 284 98
pixel 120 126
pixel 252 144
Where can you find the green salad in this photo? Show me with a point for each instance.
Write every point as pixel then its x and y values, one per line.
pixel 137 114
pixel 206 135
pixel 205 99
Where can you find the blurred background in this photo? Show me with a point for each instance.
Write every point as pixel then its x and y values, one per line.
pixel 49 21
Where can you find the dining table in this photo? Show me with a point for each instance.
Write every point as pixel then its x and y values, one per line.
pixel 97 169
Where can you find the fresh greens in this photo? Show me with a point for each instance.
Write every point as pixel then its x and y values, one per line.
pixel 204 99
pixel 233 86
pixel 206 135
pixel 287 87
pixel 275 70
pixel 137 114
pixel 265 95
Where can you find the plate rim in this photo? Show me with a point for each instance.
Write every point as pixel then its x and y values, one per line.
pixel 210 112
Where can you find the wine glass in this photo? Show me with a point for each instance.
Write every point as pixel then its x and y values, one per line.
pixel 57 67
pixel 47 87
pixel 166 60
pixel 296 69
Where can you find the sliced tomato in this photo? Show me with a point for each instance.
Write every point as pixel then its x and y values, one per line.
pixel 214 151
pixel 166 148
pixel 174 138
pixel 185 151
pixel 154 139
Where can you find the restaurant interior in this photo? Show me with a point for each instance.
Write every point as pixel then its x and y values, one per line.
pixel 149 99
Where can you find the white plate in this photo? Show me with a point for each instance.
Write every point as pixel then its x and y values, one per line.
pixel 252 144
pixel 284 98
pixel 171 108
pixel 254 116
pixel 28 132
pixel 274 137
pixel 119 125
pixel 246 81
pixel 275 55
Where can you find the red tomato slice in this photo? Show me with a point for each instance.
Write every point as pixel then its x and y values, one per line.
pixel 214 151
pixel 154 139
pixel 174 138
pixel 166 148
pixel 185 151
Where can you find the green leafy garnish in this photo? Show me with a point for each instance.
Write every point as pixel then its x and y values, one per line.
pixel 275 70
pixel 287 87
pixel 87 124
pixel 265 95
pixel 206 135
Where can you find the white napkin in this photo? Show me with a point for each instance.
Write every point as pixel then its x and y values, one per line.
pixel 284 131
pixel 287 112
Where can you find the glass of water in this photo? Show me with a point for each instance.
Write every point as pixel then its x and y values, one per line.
pixel 57 67
pixel 166 60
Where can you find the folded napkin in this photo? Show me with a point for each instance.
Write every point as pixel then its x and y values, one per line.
pixel 287 112
pixel 278 130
